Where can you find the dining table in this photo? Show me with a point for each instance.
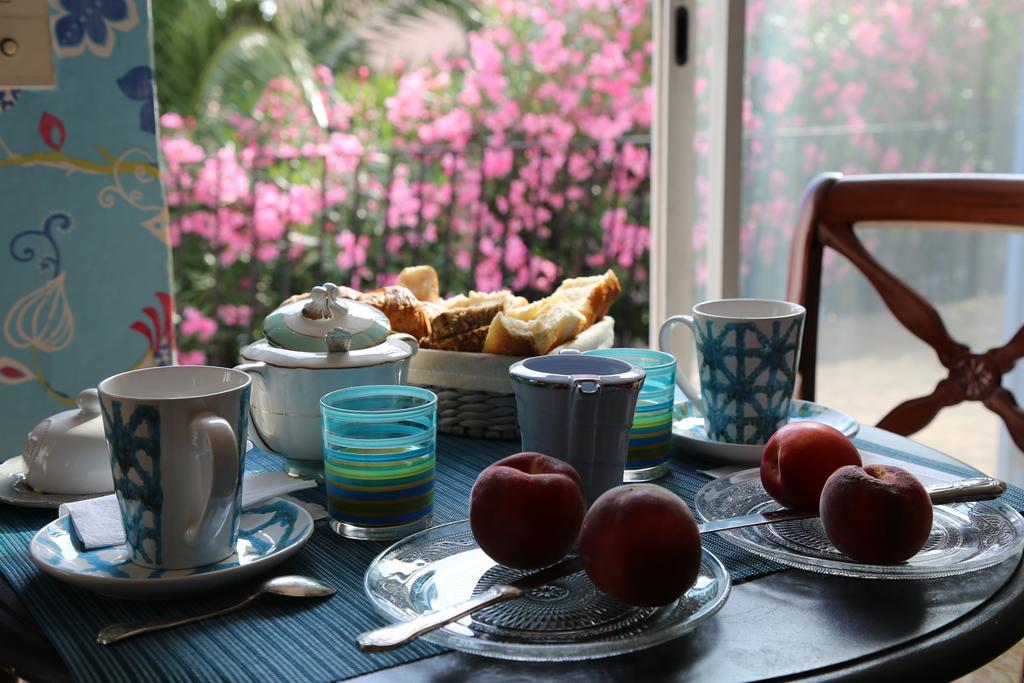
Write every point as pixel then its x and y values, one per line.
pixel 777 623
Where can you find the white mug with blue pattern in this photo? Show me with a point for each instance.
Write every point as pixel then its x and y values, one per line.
pixel 176 437
pixel 747 355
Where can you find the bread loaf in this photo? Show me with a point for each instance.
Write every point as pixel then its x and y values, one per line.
pixel 534 329
pixel 421 281
pixel 592 296
pixel 404 311
pixel 496 322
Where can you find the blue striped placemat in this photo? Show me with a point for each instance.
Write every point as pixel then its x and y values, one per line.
pixel 279 638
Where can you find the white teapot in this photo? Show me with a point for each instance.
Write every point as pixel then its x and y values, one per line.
pixel 313 346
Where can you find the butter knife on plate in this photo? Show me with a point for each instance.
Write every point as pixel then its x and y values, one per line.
pixel 395 635
pixel 959 491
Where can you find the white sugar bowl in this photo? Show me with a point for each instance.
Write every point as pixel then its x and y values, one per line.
pixel 313 346
pixel 67 452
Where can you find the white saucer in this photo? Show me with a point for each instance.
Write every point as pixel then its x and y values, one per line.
pixel 690 437
pixel 269 534
pixel 15 491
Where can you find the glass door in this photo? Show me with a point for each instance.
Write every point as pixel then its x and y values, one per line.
pixel 863 87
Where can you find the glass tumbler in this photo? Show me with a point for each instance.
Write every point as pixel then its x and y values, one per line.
pixel 650 439
pixel 379 460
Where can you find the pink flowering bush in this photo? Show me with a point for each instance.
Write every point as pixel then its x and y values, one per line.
pixel 526 159
pixel 521 162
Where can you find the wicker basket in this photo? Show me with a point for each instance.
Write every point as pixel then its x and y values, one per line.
pixel 474 391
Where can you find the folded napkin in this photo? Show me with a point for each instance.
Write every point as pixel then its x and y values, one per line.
pixel 97 521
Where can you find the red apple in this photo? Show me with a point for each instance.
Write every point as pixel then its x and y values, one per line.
pixel 878 514
pixel 640 544
pixel 799 457
pixel 526 510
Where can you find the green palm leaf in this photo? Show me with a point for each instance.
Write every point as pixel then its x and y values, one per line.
pixel 215 58
pixel 244 64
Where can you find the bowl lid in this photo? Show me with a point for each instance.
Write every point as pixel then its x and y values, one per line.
pixel 73 436
pixel 325 322
pixel 397 347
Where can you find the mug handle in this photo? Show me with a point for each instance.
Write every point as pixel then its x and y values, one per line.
pixel 255 368
pixel 213 514
pixel 665 344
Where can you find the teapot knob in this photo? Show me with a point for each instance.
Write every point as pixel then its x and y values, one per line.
pixel 324 303
pixel 338 339
pixel 89 402
pixel 337 305
pixel 317 308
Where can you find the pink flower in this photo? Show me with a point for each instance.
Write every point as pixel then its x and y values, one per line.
pixel 351 250
pixel 782 84
pixel 194 322
pixel 867 37
pixel 171 121
pixel 195 357
pixel 892 161
pixel 179 150
pixel 454 128
pixel 485 55
pixel 498 163
pixel 324 74
pixel 235 316
pixel 267 252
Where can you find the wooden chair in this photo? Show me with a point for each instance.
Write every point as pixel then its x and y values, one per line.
pixel 833 204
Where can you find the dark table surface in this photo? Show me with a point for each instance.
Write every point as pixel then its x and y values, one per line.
pixel 789 625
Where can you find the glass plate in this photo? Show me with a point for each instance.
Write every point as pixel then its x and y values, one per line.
pixel 566 620
pixel 965 537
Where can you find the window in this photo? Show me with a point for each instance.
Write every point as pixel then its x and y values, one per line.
pixel 864 87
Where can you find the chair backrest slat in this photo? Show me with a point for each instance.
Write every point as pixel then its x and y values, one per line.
pixel 833 205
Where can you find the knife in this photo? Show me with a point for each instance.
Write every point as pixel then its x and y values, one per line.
pixel 960 491
pixel 396 635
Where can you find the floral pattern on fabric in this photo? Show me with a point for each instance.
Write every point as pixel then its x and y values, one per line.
pixel 80 25
pixel 8 98
pixel 85 290
pixel 158 331
pixel 137 84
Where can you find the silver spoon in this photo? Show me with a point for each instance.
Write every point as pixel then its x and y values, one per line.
pixel 289 586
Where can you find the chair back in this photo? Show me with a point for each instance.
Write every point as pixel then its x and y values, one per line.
pixel 833 204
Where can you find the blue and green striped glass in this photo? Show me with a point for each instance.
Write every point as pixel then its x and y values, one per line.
pixel 650 439
pixel 379 460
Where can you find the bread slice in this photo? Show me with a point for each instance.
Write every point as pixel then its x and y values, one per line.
pixel 456 321
pixel 421 281
pixel 592 296
pixel 534 329
pixel 503 297
pixel 465 313
pixel 470 340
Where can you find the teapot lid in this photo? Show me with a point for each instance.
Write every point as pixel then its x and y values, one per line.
pixel 326 322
